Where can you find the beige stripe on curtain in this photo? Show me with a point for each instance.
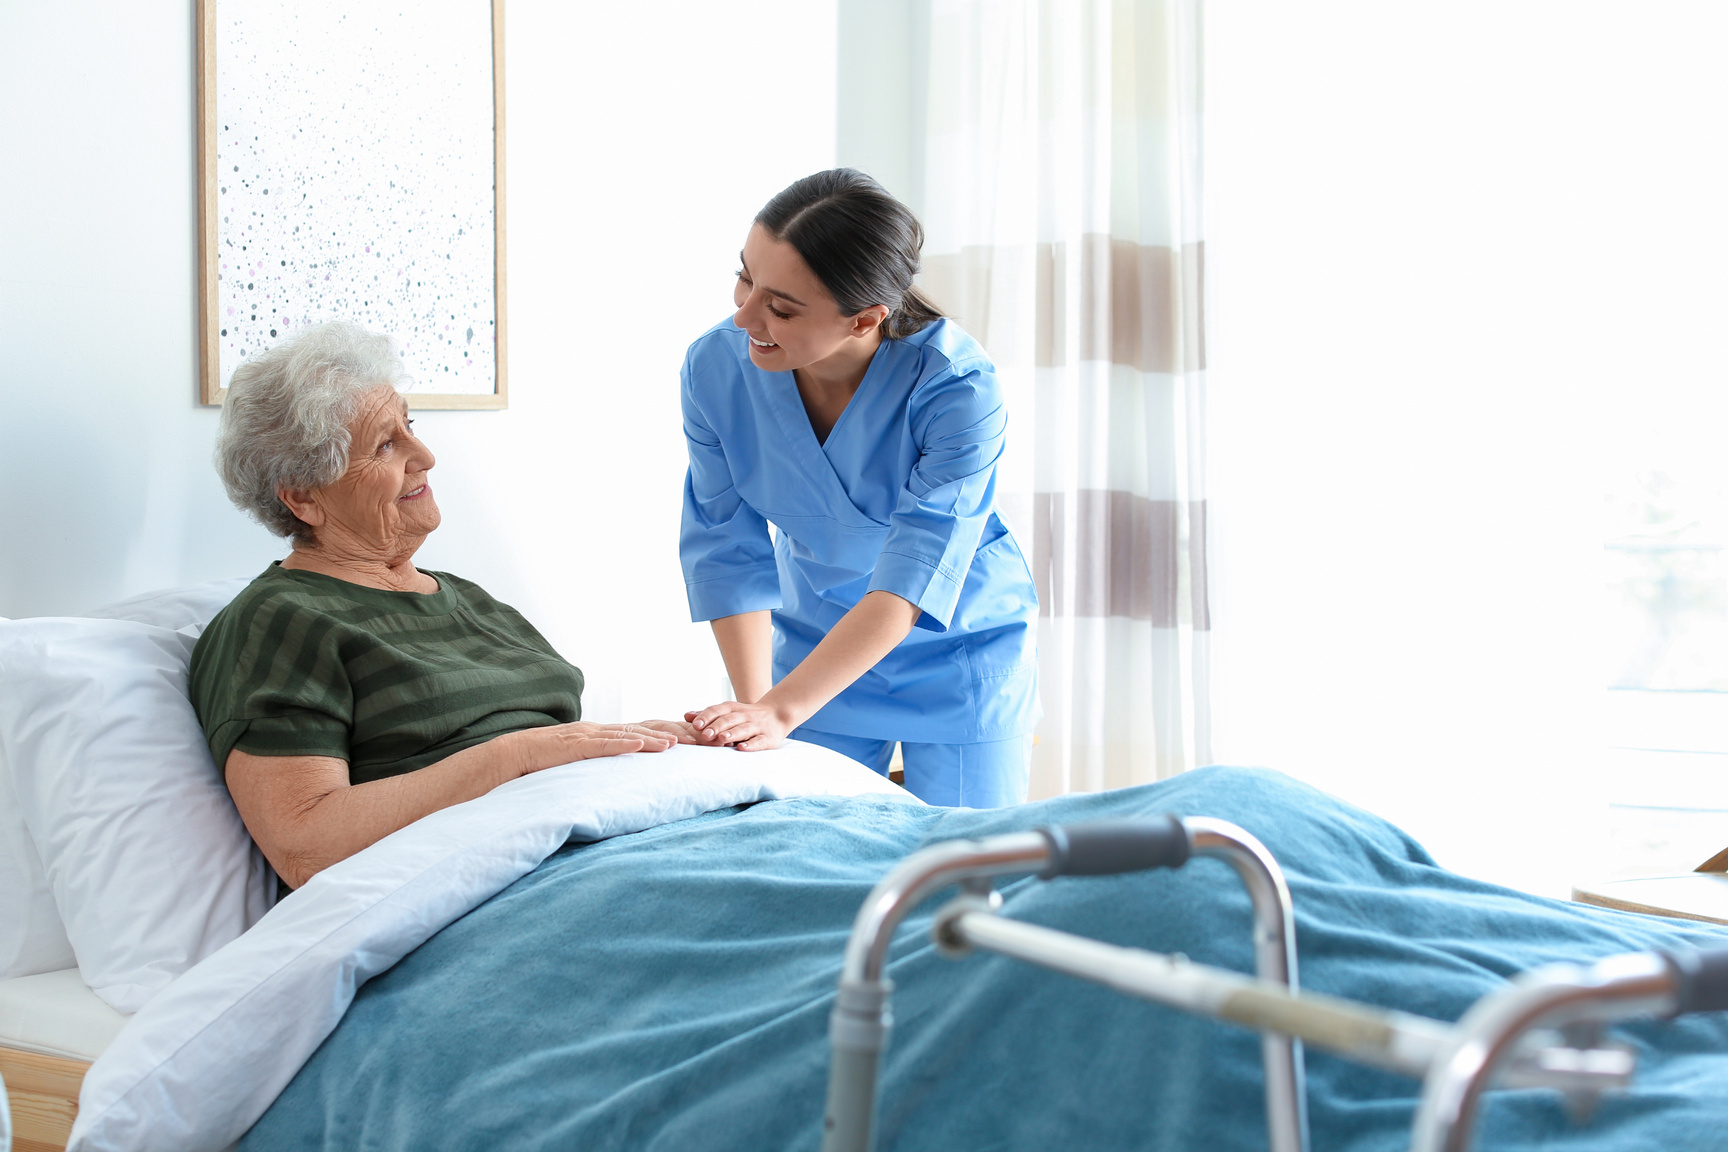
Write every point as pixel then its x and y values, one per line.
pixel 1135 558
pixel 1061 207
pixel 1133 298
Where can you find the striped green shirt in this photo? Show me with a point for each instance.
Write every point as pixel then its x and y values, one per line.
pixel 302 664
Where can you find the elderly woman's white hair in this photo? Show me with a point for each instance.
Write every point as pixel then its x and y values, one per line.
pixel 285 420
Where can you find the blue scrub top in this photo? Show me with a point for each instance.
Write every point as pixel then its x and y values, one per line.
pixel 900 497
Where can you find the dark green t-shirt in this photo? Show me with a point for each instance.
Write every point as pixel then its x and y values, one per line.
pixel 302 664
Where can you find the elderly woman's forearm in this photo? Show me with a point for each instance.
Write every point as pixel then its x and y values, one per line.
pixel 305 815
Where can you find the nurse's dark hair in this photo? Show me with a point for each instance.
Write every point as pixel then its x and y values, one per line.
pixel 861 242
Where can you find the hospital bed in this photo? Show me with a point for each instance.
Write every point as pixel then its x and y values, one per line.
pixel 52 1026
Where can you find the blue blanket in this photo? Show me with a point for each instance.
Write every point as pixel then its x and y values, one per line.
pixel 670 990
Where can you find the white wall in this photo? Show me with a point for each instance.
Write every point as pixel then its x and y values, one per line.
pixel 1455 251
pixel 881 93
pixel 638 151
pixel 1452 248
pixel 104 459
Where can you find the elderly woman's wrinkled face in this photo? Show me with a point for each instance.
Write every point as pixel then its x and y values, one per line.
pixel 382 506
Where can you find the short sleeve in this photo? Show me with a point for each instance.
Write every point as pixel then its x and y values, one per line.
pixel 723 542
pixel 272 683
pixel 959 423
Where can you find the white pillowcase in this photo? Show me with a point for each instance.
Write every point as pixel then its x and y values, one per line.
pixel 175 607
pixel 32 938
pixel 148 862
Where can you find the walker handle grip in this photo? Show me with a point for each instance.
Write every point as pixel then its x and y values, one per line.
pixel 1107 847
pixel 1700 978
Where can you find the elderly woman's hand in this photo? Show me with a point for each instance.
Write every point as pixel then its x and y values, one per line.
pixel 557 744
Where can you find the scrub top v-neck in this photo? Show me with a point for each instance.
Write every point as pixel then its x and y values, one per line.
pixel 899 497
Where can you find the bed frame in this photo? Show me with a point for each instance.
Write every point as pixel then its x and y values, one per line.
pixel 44 1095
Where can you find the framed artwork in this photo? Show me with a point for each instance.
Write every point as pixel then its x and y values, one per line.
pixel 351 166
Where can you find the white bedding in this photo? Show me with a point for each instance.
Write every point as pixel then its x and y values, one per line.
pixel 204 1059
pixel 56 1013
pixel 125 823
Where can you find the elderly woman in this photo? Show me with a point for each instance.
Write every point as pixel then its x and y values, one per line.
pixel 346 693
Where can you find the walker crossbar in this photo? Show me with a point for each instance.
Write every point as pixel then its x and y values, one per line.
pixel 1396 1041
pixel 861 1020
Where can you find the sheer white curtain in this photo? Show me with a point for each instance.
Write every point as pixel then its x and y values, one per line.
pixel 1061 201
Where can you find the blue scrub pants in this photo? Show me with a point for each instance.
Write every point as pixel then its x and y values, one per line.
pixel 988 774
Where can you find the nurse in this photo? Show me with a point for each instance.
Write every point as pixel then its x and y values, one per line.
pixel 890 603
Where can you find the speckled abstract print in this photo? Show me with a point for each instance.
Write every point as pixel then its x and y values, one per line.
pixel 354 179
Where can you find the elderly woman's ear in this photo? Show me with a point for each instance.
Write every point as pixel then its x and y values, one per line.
pixel 300 502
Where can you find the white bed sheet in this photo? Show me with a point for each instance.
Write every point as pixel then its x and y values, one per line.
pixel 197 1066
pixel 56 1013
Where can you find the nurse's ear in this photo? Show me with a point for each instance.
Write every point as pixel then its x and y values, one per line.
pixel 868 320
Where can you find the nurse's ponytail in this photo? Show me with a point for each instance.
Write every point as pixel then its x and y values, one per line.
pixel 859 241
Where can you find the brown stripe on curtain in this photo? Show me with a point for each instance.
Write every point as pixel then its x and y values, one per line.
pixel 1128 558
pixel 1136 300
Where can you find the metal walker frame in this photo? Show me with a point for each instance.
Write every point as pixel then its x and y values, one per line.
pixel 1510 1034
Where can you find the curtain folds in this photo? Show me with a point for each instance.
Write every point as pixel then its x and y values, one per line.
pixel 1061 202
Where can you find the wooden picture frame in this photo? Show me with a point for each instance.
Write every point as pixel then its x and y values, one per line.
pixel 427 359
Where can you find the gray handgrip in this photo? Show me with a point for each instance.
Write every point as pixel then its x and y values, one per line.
pixel 1110 846
pixel 1700 978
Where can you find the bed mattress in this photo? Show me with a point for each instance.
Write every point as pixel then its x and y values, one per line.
pixel 56 1014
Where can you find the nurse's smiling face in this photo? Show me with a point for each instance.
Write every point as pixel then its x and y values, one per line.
pixel 791 318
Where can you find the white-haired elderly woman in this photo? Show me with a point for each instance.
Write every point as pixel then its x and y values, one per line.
pixel 346 693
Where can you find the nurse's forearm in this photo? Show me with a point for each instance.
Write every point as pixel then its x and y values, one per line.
pixel 852 647
pixel 747 646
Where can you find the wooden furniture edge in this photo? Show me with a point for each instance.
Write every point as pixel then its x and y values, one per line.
pixel 1716 863
pixel 43 1091
pixel 1600 900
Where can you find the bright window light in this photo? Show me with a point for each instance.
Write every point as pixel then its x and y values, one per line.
pixel 1468 388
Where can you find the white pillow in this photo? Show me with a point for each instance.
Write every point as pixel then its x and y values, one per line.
pixel 32 939
pixel 32 936
pixel 174 607
pixel 149 863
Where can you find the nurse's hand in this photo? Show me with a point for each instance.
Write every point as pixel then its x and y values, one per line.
pixel 683 730
pixel 746 727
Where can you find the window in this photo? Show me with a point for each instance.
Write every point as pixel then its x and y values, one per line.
pixel 1667 710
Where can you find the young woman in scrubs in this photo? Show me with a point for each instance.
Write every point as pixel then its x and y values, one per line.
pixel 891 603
